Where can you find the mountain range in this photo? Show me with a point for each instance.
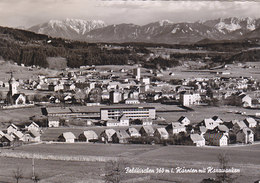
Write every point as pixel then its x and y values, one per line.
pixel 163 31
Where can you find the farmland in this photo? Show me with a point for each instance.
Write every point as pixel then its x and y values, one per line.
pixel 243 158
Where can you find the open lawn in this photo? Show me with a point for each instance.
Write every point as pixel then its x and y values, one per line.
pixel 136 156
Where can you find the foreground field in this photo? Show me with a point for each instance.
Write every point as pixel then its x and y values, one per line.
pixel 135 156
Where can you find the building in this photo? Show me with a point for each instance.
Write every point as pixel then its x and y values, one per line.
pixel 129 112
pixel 88 136
pixel 137 73
pixel 115 97
pixel 216 139
pixel 175 128
pixel 184 120
pixel 246 135
pixel 197 139
pixel 133 132
pixel 161 133
pixel 188 99
pixel 250 122
pixel 120 136
pixel 106 135
pixel 53 121
pixel 147 121
pixel 146 131
pixel 67 137
pixel 132 101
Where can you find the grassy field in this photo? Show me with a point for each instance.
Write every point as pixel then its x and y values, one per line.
pixel 139 156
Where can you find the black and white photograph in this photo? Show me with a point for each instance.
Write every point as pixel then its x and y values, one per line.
pixel 129 91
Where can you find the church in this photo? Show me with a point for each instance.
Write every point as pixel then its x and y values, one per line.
pixel 13 95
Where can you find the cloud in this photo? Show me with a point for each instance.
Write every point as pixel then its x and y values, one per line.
pixel 30 12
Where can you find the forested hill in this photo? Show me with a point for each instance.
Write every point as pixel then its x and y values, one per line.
pixel 28 48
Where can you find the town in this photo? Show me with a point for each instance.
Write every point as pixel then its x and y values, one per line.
pixel 131 104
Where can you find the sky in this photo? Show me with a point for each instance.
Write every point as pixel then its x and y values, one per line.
pixel 26 13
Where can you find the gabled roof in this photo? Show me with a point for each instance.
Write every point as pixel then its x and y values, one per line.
pixel 18 134
pixel 90 134
pixel 175 125
pixel 216 136
pixel 241 124
pixel 196 137
pixel 14 126
pixel 148 129
pixel 68 135
pixel 182 118
pixel 1 133
pixel 162 131
pixel 250 121
pixel 132 130
pixel 121 134
pixel 222 128
pixel 34 133
pixel 203 129
pixel 8 137
pixel 109 132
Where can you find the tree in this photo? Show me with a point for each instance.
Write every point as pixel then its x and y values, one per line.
pixel 224 164
pixel 114 171
pixel 17 174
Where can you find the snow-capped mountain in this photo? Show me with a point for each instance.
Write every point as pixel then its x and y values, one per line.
pixel 163 31
pixel 68 28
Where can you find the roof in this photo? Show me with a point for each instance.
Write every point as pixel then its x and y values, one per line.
pixel 182 118
pixel 8 137
pixel 241 124
pixel 1 133
pixel 175 125
pixel 121 134
pixel 196 137
pixel 223 128
pixel 53 118
pixel 34 133
pixel 18 134
pixel 216 136
pixel 132 130
pixel 90 134
pixel 148 129
pixel 51 110
pixel 109 132
pixel 250 120
pixel 202 129
pixel 162 131
pixel 68 135
pixel 123 117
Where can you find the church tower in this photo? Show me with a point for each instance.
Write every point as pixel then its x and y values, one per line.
pixel 13 85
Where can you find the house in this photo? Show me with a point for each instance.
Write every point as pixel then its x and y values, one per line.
pixel 106 135
pixel 35 135
pixel 112 122
pixel 184 120
pixel 133 132
pixel 161 133
pixel 245 135
pixel 146 131
pixel 17 135
pixel 221 128
pixel 32 126
pixel 120 136
pixel 239 125
pixel 197 139
pixel 88 136
pixel 67 137
pixel 245 100
pixel 19 99
pixel 250 122
pixel 12 128
pixel 123 121
pixel 209 123
pixel 216 139
pixel 202 130
pixel 53 121
pixel 147 121
pixel 217 119
pixel 1 133
pixel 132 101
pixel 6 140
pixel 175 128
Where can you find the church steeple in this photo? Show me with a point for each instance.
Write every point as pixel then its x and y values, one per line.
pixel 13 85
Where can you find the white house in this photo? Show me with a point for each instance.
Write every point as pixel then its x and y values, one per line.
pixel 12 128
pixel 67 137
pixel 245 135
pixel 133 132
pixel 175 128
pixel 197 139
pixel 88 136
pixel 161 133
pixel 53 121
pixel 250 122
pixel 184 120
pixel 147 121
pixel 123 121
pixel 216 139
pixel 106 135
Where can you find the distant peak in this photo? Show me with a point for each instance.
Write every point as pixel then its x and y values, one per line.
pixel 165 22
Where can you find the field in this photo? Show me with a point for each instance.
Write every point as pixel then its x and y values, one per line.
pixel 138 156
